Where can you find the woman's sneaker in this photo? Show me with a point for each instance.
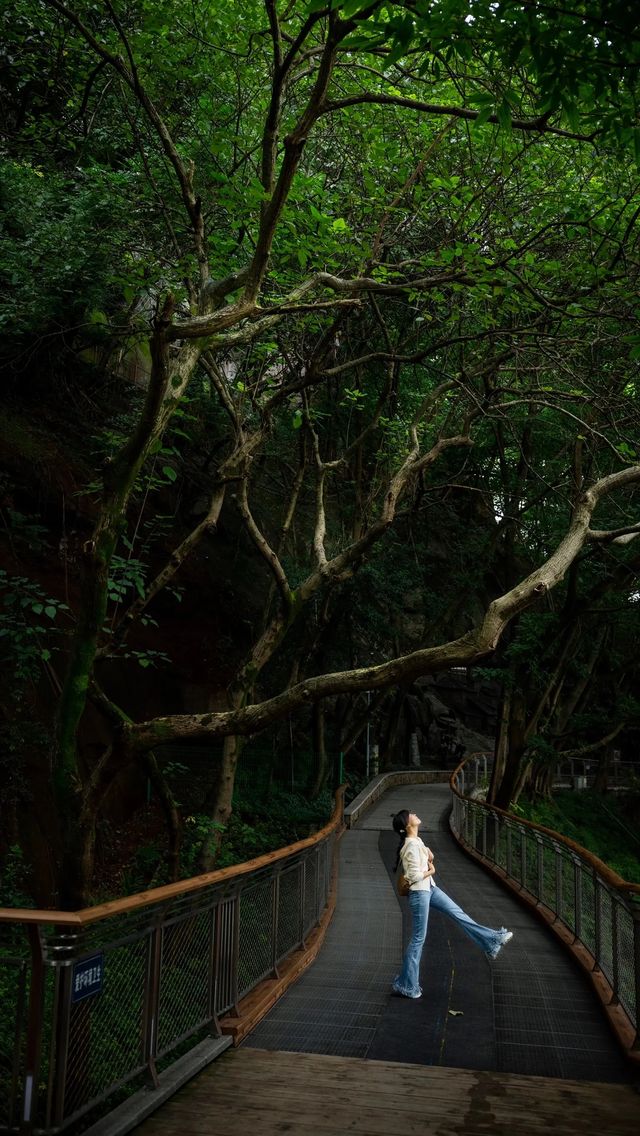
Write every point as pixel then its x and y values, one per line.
pixel 505 937
pixel 402 994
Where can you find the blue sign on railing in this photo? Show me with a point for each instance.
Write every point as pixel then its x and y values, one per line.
pixel 87 977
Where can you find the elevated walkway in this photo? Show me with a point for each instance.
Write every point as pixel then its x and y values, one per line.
pixel 530 1012
pixel 519 1044
pixel 307 1094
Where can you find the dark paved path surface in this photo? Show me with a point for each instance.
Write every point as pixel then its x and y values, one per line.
pixel 530 1012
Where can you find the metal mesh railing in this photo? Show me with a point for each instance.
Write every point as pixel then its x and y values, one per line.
pixel 289 927
pixel 102 1037
pixel 96 1001
pixel 186 977
pixel 226 948
pixel 310 892
pixel 256 957
pixel 600 909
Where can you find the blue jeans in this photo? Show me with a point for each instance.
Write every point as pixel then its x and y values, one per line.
pixel 408 981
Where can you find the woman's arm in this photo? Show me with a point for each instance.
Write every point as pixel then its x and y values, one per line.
pixel 412 862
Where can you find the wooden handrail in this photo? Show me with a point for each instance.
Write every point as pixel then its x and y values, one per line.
pixel 168 892
pixel 594 861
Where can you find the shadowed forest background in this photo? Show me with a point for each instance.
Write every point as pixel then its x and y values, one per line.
pixel 320 352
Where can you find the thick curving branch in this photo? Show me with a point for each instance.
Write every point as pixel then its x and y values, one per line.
pixel 538 125
pixel 474 645
pixel 212 324
pixel 615 536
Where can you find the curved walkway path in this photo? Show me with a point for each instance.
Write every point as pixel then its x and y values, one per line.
pixel 529 1012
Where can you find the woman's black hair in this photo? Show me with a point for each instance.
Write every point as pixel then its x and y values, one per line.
pixel 400 821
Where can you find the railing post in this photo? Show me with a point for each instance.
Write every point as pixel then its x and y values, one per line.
pixel 35 1021
pixel 152 1001
pixel 316 912
pixel 509 853
pixel 597 918
pixel 59 1044
pixel 523 858
pixel 635 912
pixel 214 963
pixel 235 958
pixel 302 887
pixel 540 866
pixel 275 905
pixel 577 905
pixel 559 881
pixel 227 950
pixel 484 832
pixel 615 963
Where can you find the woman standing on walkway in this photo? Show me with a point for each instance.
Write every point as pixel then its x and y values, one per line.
pixel 417 865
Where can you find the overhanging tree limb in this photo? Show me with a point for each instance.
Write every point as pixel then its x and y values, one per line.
pixel 475 644
pixel 538 125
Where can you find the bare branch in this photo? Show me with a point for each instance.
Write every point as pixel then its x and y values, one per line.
pixel 614 536
pixel 264 548
pixel 320 530
pixel 582 751
pixel 537 125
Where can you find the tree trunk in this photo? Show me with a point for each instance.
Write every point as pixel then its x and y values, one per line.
pixel 391 734
pixel 78 855
pixel 119 480
pixel 602 773
pixel 542 780
pixel 526 778
pixel 515 750
pixel 355 723
pixel 172 815
pixel 502 745
pixel 319 750
pixel 223 803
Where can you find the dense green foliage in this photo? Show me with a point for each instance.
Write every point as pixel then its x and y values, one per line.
pixel 607 825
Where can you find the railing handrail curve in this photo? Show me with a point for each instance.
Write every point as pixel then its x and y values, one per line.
pixel 166 892
pixel 608 873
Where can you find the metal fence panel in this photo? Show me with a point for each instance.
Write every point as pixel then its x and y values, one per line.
pixel 117 993
pixel 288 927
pixel 310 891
pixel 626 967
pixel 226 991
pixel 255 954
pixel 101 1043
pixel 185 978
pixel 606 921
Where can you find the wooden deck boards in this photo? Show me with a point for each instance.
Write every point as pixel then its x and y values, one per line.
pixel 254 1092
